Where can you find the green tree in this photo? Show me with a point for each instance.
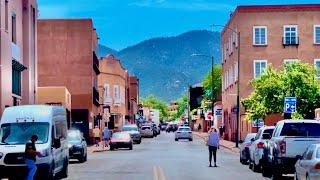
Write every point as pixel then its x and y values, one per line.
pixel 182 107
pixel 217 83
pixel 155 103
pixel 270 89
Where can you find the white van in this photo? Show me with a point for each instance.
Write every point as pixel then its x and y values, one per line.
pixel 18 124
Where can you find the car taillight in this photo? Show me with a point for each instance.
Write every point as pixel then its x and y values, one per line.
pixel 317 166
pixel 282 145
pixel 260 145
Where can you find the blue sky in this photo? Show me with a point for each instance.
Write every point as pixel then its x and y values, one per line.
pixel 121 23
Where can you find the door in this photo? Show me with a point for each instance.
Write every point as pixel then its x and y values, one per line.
pixel 304 163
pixel 55 151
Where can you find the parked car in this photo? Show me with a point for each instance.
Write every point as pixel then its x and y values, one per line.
pixel 244 148
pixel 289 140
pixel 171 128
pixel 77 146
pixel 257 147
pixel 18 124
pixel 183 132
pixel 156 128
pixel 146 131
pixel 133 131
pixel 121 140
pixel 163 126
pixel 308 165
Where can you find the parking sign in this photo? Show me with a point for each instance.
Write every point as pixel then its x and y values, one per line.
pixel 290 104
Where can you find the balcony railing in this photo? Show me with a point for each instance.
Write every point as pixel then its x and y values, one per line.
pixel 95 63
pixel 290 41
pixel 95 93
pixel 15 52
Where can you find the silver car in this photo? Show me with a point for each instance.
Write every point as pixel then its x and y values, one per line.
pixel 308 165
pixel 183 132
pixel 257 147
pixel 146 131
pixel 133 130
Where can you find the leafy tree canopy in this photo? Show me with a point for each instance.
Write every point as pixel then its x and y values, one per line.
pixel 156 103
pixel 295 79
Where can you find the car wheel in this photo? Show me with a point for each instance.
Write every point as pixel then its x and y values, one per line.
pixel 81 159
pixel 176 139
pixel 139 142
pixel 86 157
pixel 190 139
pixel 64 172
pixel 255 168
pixel 111 148
pixel 130 147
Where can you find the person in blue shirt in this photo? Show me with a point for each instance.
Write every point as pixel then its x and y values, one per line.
pixel 106 136
pixel 213 145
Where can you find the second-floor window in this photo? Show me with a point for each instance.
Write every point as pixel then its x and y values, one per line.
pixel 106 91
pixel 14 28
pixel 260 35
pixel 317 34
pixel 317 66
pixel 258 67
pixel 116 93
pixel 290 35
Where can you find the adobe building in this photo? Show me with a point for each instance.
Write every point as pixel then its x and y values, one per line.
pixel 133 100
pixel 68 57
pixel 18 62
pixel 55 96
pixel 112 86
pixel 275 34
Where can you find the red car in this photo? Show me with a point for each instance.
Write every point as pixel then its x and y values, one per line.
pixel 121 140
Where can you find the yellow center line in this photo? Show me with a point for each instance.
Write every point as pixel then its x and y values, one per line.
pixel 155 173
pixel 162 176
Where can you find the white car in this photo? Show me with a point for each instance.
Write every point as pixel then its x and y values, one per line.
pixel 146 131
pixel 308 165
pixel 183 132
pixel 257 147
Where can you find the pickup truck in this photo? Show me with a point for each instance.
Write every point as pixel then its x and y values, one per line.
pixel 289 139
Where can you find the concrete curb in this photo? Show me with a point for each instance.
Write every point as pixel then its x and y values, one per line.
pixel 233 149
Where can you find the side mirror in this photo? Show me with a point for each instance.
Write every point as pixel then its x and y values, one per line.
pixel 266 136
pixel 56 143
pixel 299 157
pixel 240 141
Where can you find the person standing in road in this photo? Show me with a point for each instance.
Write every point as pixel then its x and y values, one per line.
pixel 106 136
pixel 30 157
pixel 96 135
pixel 213 146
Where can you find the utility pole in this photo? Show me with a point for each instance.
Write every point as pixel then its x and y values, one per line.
pixel 212 97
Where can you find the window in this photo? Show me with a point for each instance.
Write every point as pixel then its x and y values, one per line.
pixel 6 15
pixel 290 61
pixel 116 94
pixel 301 129
pixel 236 37
pixel 316 34
pixel 258 67
pixel 16 81
pixel 290 34
pixel 106 91
pixel 259 35
pixel 14 28
pixel 317 66
pixel 309 153
pixel 236 71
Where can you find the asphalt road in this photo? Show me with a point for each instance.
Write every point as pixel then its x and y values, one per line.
pixel 162 158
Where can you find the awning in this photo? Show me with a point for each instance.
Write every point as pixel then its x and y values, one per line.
pixel 18 66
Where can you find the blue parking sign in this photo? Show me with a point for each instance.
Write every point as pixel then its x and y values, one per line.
pixel 290 104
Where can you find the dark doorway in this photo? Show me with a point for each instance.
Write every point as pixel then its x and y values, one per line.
pixel 80 120
pixel 111 122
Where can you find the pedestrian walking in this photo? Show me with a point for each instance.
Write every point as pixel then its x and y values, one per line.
pixel 213 146
pixel 106 136
pixel 96 135
pixel 30 157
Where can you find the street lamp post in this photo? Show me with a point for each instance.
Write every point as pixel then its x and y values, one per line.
pixel 238 83
pixel 212 97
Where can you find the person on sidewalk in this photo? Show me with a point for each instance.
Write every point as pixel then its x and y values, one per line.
pixel 96 135
pixel 30 157
pixel 213 145
pixel 106 136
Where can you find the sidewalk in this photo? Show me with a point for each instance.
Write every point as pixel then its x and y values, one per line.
pixel 94 149
pixel 226 144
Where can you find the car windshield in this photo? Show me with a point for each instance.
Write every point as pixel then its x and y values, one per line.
pixel 120 136
pixel 145 128
pixel 74 136
pixel 300 129
pixel 20 133
pixel 184 129
pixel 129 128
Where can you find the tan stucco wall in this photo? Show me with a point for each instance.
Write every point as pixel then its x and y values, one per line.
pixel 54 95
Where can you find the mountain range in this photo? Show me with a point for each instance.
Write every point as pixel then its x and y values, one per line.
pixel 165 65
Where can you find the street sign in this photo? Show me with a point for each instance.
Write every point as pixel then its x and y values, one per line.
pixel 258 123
pixel 218 112
pixel 290 104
